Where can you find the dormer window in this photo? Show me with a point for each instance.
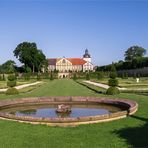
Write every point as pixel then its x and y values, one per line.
pixel 64 61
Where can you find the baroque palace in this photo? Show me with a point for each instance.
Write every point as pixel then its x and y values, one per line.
pixel 66 65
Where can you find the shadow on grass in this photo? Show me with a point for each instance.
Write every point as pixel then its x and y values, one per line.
pixel 94 90
pixel 136 136
pixel 144 94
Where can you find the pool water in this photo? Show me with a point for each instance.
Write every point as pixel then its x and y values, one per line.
pixel 46 111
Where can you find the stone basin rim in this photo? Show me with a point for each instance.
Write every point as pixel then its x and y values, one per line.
pixel 131 105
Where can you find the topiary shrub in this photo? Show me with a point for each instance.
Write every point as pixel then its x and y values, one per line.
pixel 46 75
pixel 11 91
pixel 1 78
pixel 11 78
pixel 4 77
pixel 99 75
pixel 112 91
pixel 27 76
pixel 113 73
pixel 11 83
pixel 87 76
pixel 38 77
pixel 113 82
pixel 74 76
pixel 51 76
pixel 126 75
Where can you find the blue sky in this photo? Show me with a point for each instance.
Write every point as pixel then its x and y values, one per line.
pixel 67 28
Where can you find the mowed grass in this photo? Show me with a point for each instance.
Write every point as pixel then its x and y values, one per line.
pixel 128 83
pixel 129 132
pixel 3 84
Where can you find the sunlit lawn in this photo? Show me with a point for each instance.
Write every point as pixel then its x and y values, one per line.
pixel 129 132
pixel 3 84
pixel 128 83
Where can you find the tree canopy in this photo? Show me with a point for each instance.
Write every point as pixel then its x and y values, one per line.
pixel 28 54
pixel 7 67
pixel 134 52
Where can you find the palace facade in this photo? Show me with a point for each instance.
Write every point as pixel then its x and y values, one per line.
pixel 65 65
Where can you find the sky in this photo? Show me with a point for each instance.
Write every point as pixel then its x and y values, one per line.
pixel 107 28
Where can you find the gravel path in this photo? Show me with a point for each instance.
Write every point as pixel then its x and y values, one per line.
pixel 21 86
pixel 102 85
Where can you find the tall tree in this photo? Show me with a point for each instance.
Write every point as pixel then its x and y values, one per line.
pixel 30 56
pixel 8 67
pixel 134 52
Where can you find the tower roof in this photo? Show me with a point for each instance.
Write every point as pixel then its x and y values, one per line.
pixel 86 55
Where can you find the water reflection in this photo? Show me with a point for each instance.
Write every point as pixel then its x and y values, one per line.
pixel 50 110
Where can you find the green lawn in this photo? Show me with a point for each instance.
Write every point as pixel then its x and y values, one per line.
pixel 129 132
pixel 128 83
pixel 3 84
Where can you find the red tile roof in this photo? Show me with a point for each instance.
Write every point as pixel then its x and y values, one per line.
pixel 74 61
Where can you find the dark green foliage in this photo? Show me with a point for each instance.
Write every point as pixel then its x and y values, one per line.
pixel 112 91
pixel 124 75
pixel 38 77
pixel 12 91
pixel 138 75
pixel 46 75
pixel 51 76
pixel 3 77
pixel 134 52
pixel 113 73
pixel 11 78
pixel 134 59
pixel 75 76
pixel 11 83
pixel 99 75
pixel 27 76
pixel 28 70
pixel 135 76
pixel 87 76
pixel 8 67
pixel 28 54
pixel 113 82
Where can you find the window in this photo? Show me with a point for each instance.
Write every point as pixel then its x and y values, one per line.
pixel 64 61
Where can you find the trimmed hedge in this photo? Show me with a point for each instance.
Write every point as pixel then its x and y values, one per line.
pixel 74 76
pixel 11 77
pixel 113 82
pixel 27 76
pixel 87 76
pixel 51 76
pixel 38 77
pixel 12 91
pixel 11 83
pixel 112 91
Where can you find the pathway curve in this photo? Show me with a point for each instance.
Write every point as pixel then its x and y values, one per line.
pixel 22 86
pixel 102 85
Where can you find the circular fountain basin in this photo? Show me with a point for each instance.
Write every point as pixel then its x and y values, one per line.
pixel 84 110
